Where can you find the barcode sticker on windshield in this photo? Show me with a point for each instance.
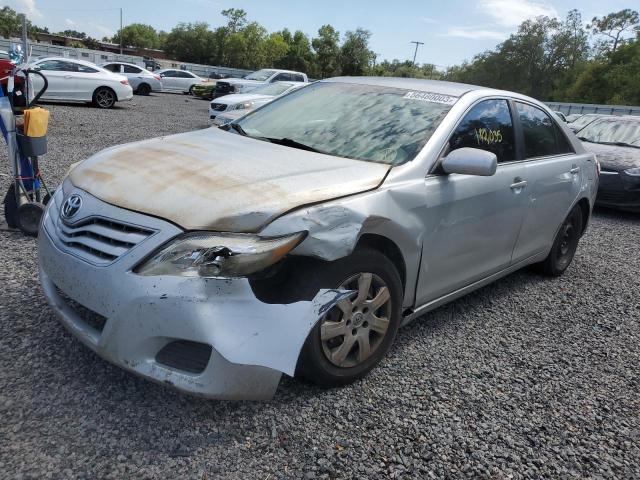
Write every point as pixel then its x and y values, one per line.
pixel 432 97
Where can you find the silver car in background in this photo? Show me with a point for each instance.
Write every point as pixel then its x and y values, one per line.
pixel 299 238
pixel 141 80
pixel 245 102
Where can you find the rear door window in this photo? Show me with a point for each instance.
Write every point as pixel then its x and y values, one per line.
pixel 112 67
pixel 542 137
pixel 487 126
pixel 131 69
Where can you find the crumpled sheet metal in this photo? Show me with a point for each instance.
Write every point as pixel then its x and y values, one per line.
pixel 334 228
pixel 249 332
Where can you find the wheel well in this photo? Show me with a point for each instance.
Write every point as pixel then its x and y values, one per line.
pixel 388 248
pixel 143 84
pixel 104 86
pixel 583 203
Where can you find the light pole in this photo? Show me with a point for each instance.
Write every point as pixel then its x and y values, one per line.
pixel 120 31
pixel 416 51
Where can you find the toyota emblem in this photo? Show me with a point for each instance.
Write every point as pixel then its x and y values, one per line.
pixel 71 206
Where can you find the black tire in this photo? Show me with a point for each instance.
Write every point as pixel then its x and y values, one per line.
pixel 143 89
pixel 29 215
pixel 104 98
pixel 564 245
pixel 11 207
pixel 313 363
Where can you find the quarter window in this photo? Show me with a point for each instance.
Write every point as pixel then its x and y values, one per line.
pixel 487 126
pixel 86 69
pixel 542 137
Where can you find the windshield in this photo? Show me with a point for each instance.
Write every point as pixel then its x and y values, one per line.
pixel 260 75
pixel 365 122
pixel 273 89
pixel 619 130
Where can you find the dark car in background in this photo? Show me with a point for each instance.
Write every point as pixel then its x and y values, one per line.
pixel 616 143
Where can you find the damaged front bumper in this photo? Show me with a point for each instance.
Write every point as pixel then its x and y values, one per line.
pixel 206 336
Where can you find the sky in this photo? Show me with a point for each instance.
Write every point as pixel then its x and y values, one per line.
pixel 452 30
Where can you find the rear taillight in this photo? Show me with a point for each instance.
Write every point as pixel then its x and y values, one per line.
pixel 124 82
pixel 157 77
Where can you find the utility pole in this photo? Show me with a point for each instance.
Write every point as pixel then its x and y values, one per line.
pixel 416 52
pixel 120 31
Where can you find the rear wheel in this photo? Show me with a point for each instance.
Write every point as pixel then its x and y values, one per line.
pixel 564 245
pixel 353 336
pixel 191 89
pixel 143 89
pixel 104 97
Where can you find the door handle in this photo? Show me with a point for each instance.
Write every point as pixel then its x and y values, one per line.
pixel 517 185
pixel 575 169
pixel 68 76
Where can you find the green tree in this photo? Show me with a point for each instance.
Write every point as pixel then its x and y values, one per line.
pixel 236 19
pixel 274 48
pixel 190 42
pixel 11 25
pixel 327 49
pixel 299 55
pixel 614 26
pixel 72 33
pixel 355 55
pixel 137 35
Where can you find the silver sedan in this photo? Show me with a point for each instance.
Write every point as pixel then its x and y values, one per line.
pixel 141 80
pixel 298 239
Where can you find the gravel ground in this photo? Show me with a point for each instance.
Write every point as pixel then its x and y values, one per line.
pixel 526 378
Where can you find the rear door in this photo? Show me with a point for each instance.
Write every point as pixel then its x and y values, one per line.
pixel 554 175
pixel 133 74
pixel 472 222
pixel 169 80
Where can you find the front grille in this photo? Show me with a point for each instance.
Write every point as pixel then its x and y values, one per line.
pixel 191 357
pixel 88 316
pixel 610 196
pixel 223 88
pixel 100 240
pixel 218 107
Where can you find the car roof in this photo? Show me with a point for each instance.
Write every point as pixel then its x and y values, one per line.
pixel 66 59
pixel 120 63
pixel 435 86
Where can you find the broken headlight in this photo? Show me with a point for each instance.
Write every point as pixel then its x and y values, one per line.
pixel 203 254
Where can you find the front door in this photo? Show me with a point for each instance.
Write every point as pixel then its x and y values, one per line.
pixel 472 222
pixel 61 78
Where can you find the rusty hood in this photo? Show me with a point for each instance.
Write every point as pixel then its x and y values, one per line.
pixel 216 180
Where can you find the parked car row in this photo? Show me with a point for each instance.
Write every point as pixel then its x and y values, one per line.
pixel 110 82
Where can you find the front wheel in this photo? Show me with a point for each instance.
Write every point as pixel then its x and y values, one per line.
pixel 104 97
pixel 352 337
pixel 144 89
pixel 564 245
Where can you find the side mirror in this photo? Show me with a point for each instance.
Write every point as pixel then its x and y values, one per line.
pixel 470 161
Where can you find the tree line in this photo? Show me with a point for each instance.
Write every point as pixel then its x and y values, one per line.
pixel 547 58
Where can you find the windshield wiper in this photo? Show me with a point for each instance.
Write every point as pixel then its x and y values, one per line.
pixel 288 142
pixel 238 129
pixel 620 144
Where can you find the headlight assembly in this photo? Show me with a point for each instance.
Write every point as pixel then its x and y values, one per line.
pixel 244 105
pixel 205 254
pixel 634 172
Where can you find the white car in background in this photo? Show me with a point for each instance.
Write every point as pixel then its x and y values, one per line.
pixel 180 81
pixel 79 81
pixel 141 80
pixel 249 101
pixel 255 80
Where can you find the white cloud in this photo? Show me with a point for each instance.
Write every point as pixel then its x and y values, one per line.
pixel 473 33
pixel 69 22
pixel 511 13
pixel 105 31
pixel 428 20
pixel 24 6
